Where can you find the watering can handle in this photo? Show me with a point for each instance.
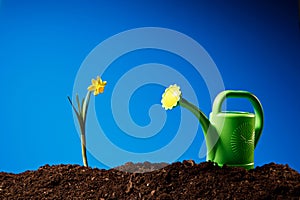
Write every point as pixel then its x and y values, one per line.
pixel 259 115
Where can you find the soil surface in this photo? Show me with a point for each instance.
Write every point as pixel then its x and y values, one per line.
pixel 181 180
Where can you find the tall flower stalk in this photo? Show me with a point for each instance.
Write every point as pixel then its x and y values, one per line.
pixel 81 112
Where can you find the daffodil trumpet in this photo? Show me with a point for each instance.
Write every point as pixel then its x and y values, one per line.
pixel 81 112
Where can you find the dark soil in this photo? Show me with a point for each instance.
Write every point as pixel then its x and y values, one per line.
pixel 185 180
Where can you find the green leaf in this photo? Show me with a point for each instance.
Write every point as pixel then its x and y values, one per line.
pixel 78 103
pixel 82 104
pixel 85 106
pixel 77 114
pixel 79 118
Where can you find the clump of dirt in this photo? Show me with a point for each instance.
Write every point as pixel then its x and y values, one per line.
pixel 141 167
pixel 180 180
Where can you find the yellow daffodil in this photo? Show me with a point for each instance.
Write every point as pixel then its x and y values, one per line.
pixel 97 86
pixel 170 97
pixel 81 112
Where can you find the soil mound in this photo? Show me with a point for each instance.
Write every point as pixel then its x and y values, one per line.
pixel 180 180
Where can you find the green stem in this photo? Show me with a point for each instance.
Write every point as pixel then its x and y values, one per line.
pixel 81 117
pixel 197 112
pixel 83 146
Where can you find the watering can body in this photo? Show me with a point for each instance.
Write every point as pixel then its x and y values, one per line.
pixel 232 136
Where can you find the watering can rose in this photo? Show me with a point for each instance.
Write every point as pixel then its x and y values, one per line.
pixel 170 97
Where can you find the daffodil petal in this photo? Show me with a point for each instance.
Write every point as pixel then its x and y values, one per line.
pixel 94 82
pixel 91 88
pixel 99 79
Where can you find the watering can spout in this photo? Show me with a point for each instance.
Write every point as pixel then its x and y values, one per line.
pixel 211 134
pixel 204 121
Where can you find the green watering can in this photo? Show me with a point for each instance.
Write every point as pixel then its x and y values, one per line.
pixel 231 137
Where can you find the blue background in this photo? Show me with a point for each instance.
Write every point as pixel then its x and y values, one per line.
pixel 255 45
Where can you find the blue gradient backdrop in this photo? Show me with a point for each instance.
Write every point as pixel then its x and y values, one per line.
pixel 255 45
